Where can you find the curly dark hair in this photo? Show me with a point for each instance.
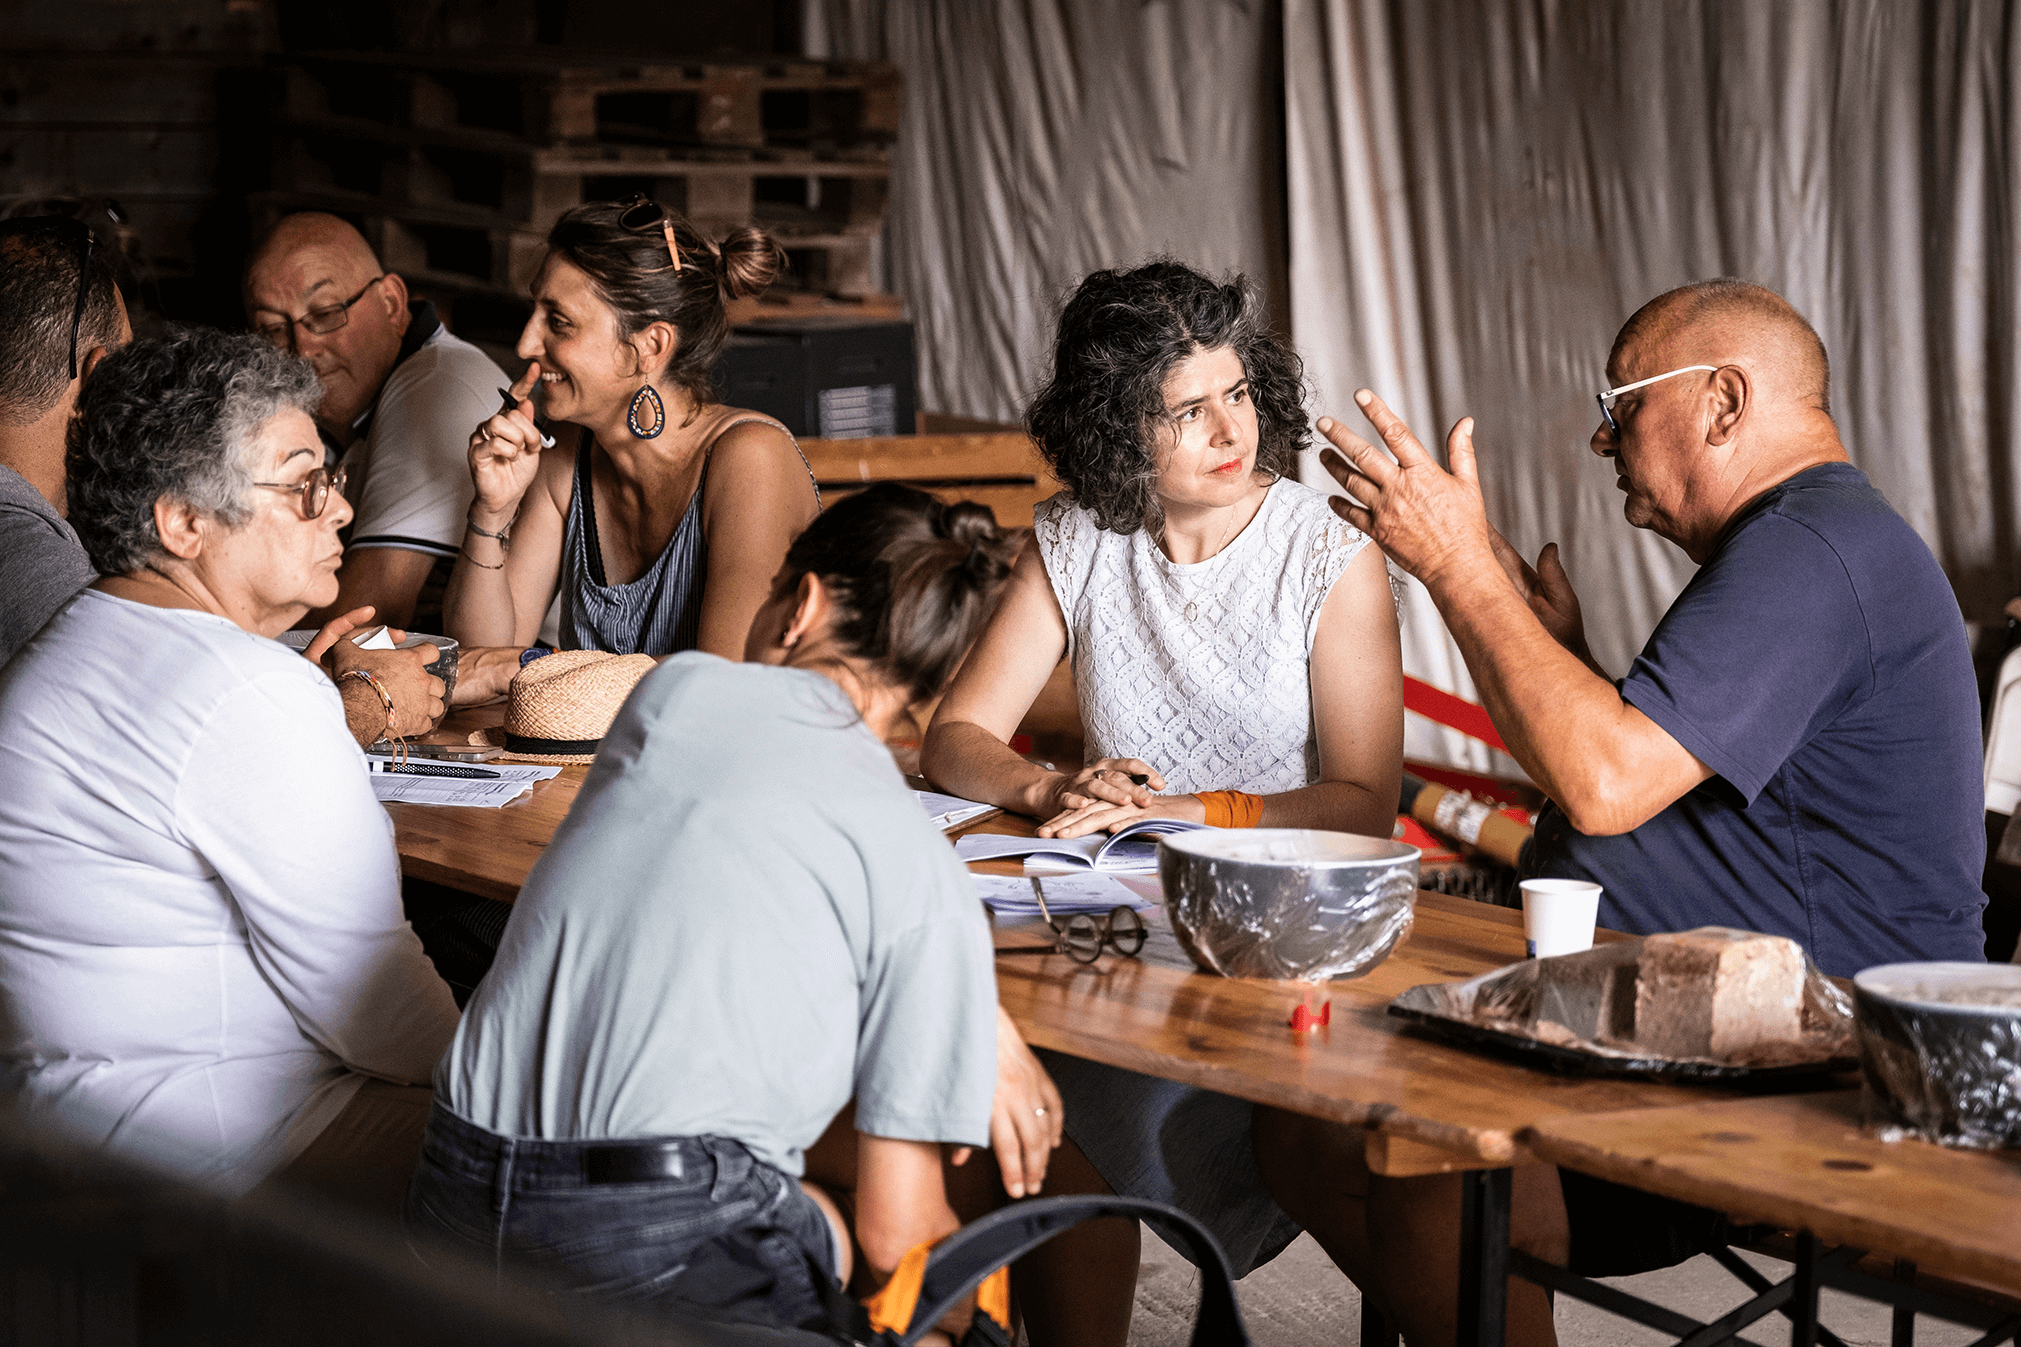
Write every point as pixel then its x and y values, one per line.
pixel 1098 418
pixel 633 272
pixel 173 416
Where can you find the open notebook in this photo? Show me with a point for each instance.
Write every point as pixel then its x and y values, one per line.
pixel 1129 850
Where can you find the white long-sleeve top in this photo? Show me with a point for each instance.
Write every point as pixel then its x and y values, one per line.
pixel 202 949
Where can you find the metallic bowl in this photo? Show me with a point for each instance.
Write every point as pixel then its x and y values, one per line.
pixel 1287 902
pixel 1940 1050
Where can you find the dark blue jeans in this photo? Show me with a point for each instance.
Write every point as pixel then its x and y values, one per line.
pixel 730 1236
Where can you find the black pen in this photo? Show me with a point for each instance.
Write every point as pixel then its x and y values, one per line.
pixel 436 769
pixel 546 440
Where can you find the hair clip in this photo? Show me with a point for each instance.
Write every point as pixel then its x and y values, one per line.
pixel 672 251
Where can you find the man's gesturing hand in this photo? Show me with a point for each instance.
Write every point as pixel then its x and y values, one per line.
pixel 1429 521
pixel 1548 591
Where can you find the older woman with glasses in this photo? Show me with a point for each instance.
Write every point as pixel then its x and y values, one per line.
pixel 655 515
pixel 203 962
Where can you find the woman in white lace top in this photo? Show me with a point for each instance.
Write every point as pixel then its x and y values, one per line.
pixel 1228 631
pixel 1234 648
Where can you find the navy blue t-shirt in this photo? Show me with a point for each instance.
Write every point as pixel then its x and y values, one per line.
pixel 1817 663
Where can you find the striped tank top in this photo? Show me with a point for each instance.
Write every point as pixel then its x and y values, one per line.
pixel 660 612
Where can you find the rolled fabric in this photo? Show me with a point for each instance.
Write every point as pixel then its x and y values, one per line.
pixel 1475 823
pixel 1232 808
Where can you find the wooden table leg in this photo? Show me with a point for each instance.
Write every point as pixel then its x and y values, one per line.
pixel 1484 1257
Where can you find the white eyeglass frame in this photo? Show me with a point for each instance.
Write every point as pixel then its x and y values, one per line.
pixel 1613 395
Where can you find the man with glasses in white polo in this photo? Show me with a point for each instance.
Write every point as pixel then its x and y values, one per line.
pixel 400 394
pixel 1796 749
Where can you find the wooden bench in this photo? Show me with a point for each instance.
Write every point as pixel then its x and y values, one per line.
pixel 997 467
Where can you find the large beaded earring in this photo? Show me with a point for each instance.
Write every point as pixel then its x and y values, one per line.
pixel 647 397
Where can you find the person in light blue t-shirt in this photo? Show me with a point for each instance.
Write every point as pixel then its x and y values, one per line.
pixel 745 922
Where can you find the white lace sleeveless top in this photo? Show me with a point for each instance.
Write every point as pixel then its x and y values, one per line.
pixel 1201 670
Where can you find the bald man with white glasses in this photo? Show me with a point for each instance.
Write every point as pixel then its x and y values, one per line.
pixel 1795 750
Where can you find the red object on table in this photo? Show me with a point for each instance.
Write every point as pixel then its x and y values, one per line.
pixel 1303 1019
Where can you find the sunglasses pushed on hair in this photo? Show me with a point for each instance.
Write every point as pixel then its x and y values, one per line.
pixel 642 213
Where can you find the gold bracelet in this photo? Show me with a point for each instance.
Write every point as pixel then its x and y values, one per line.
pixel 464 552
pixel 372 681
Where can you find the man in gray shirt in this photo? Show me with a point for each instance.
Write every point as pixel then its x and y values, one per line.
pixel 59 312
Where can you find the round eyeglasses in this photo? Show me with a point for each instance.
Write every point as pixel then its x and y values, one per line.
pixel 314 489
pixel 1081 935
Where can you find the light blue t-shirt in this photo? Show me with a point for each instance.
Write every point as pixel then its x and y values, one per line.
pixel 745 920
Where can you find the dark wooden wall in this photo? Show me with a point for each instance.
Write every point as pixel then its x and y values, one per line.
pixel 161 105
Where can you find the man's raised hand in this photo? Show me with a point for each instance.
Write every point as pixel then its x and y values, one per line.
pixel 1548 591
pixel 1429 521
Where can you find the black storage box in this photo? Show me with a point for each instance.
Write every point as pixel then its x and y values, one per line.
pixel 837 378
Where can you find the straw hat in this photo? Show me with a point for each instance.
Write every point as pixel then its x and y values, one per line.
pixel 560 706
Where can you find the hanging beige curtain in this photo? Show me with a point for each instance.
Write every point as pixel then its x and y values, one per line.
pixel 1481 191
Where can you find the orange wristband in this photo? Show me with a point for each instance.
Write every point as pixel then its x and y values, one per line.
pixel 1231 808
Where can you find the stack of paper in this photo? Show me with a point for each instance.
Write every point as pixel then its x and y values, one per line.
pixel 1011 896
pixel 949 812
pixel 471 785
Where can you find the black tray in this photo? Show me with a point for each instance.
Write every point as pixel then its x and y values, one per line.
pixel 1578 1062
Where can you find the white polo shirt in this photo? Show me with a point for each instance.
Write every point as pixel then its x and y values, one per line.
pixel 410 474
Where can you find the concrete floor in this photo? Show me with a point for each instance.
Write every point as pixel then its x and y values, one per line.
pixel 1301 1300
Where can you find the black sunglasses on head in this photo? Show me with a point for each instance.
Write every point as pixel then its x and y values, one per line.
pixel 88 244
pixel 642 213
pixel 83 291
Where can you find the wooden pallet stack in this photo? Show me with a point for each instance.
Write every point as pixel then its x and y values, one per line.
pixel 455 166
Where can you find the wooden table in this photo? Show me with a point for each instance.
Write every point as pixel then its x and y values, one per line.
pixel 1806 1163
pixel 1429 1107
pixel 487 852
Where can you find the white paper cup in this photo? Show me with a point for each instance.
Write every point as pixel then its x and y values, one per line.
pixel 1558 916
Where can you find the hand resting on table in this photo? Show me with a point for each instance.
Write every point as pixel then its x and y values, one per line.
pixel 1103 784
pixel 1102 816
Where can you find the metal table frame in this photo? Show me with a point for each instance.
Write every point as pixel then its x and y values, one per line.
pixel 1487 1262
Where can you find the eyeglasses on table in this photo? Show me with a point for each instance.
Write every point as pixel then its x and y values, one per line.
pixel 1081 936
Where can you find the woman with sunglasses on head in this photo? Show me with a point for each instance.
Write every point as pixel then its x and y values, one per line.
pixel 203 955
pixel 656 515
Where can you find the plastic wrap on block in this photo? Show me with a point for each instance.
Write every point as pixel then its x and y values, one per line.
pixel 1586 1002
pixel 1940 1051
pixel 1287 902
